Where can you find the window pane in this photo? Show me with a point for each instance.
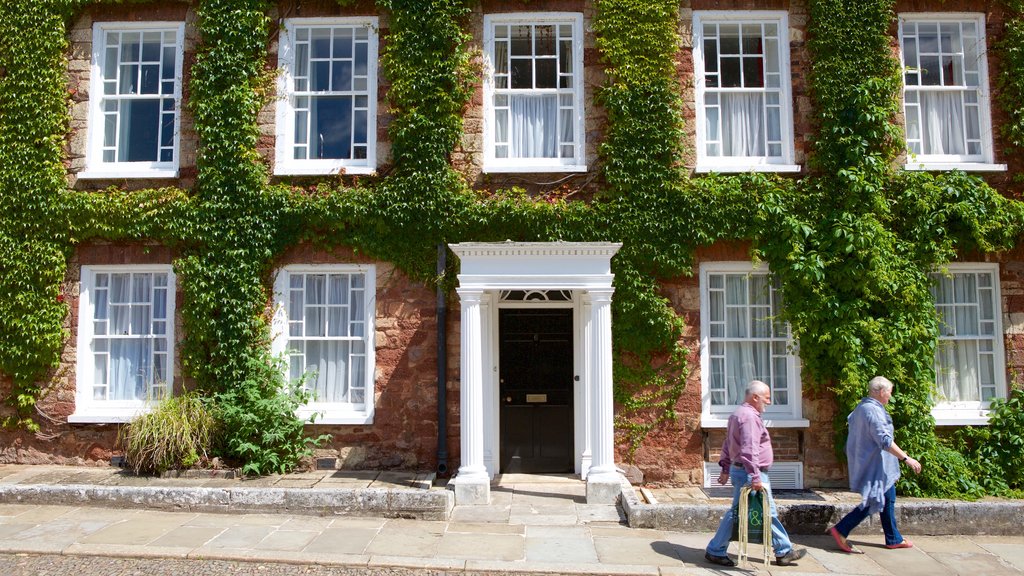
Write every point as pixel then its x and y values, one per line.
pixel 957 370
pixel 752 43
pixel 331 127
pixel 730 75
pixel 343 42
pixel 534 126
pixel 522 73
pixel 544 42
pixel 743 124
pixel 736 325
pixel 729 39
pixel 753 72
pixel 522 41
pixel 140 129
pixel 931 70
pixel 942 122
pixel 131 369
pixel 547 74
pixel 717 312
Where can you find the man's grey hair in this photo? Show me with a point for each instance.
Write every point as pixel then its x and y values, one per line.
pixel 879 383
pixel 756 386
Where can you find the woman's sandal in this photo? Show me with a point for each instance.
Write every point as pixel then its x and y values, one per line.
pixel 904 544
pixel 843 544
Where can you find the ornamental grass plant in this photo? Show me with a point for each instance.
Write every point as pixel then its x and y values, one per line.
pixel 177 434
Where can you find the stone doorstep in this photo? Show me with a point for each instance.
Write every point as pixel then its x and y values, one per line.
pixel 385 503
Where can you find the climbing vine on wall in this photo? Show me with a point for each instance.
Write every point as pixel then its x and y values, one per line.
pixel 853 241
pixel 34 240
pixel 856 252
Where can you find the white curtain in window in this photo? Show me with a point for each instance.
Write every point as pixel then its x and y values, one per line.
pixel 745 361
pixel 942 114
pixel 956 360
pixel 956 365
pixel 316 320
pixel 129 368
pixel 534 125
pixel 328 360
pixel 743 127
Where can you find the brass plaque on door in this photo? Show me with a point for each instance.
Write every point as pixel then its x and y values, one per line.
pixel 536 398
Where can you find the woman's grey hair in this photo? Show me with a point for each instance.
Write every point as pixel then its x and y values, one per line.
pixel 879 383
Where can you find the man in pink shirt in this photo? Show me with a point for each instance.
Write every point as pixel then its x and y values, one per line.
pixel 746 457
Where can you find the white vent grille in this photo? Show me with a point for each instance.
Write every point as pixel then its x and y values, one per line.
pixel 784 475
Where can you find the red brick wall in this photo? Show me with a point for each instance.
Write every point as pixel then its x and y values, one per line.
pixel 404 429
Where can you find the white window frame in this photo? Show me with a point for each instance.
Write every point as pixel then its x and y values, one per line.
pixel 96 168
pixel 87 409
pixel 976 413
pixel 578 162
pixel 330 412
pixel 706 163
pixel 718 416
pixel 284 149
pixel 982 162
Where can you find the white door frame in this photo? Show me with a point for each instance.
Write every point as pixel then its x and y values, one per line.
pixel 584 268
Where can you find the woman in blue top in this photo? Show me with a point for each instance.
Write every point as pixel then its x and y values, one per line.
pixel 874 462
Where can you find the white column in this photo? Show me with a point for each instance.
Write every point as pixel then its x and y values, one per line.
pixel 472 485
pixel 603 479
pixel 586 427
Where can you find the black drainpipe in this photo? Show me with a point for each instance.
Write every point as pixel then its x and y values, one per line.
pixel 442 365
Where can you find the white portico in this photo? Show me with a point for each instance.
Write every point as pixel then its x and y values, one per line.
pixel 573 279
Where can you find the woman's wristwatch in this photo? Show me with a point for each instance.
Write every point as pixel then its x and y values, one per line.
pixel 904 459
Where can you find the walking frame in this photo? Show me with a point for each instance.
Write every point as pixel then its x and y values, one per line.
pixel 744 524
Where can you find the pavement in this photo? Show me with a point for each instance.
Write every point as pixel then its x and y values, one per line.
pixel 534 524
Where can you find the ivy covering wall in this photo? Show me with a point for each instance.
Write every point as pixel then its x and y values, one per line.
pixel 853 241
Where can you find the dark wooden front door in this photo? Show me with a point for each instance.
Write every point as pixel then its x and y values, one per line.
pixel 536 378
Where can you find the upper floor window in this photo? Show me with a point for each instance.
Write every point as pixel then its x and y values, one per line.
pixel 744 107
pixel 969 363
pixel 945 92
pixel 324 327
pixel 125 341
pixel 533 93
pixel 742 339
pixel 327 114
pixel 135 95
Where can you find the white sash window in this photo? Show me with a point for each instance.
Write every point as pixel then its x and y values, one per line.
pixel 744 108
pixel 945 92
pixel 327 116
pixel 135 100
pixel 534 92
pixel 324 328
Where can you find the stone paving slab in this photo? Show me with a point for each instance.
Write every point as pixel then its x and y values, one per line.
pixel 573 548
pixel 558 549
pixel 342 540
pixel 522 531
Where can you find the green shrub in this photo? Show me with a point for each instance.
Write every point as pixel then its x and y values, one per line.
pixel 176 434
pixel 1001 454
pixel 260 425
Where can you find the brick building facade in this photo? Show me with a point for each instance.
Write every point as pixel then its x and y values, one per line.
pixel 395 425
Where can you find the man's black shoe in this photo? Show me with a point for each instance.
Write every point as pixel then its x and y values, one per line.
pixel 791 556
pixel 720 560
